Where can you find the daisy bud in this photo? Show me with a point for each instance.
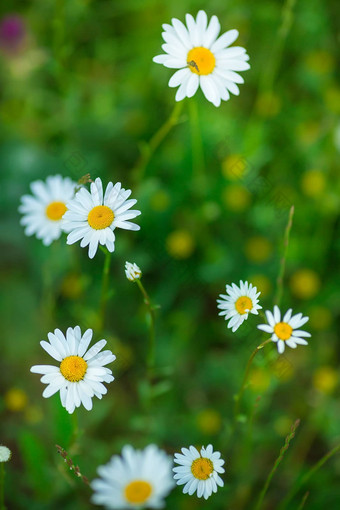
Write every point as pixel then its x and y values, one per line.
pixel 5 454
pixel 132 271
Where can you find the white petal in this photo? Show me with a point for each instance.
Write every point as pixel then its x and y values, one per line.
pixel 178 77
pixel 280 346
pixel 182 32
pixel 51 350
pixel 298 332
pixel 94 350
pixel 201 23
pixel 265 327
pixel 277 314
pixel 236 65
pixel 44 369
pixel 225 40
pixel 209 89
pixel 192 84
pixel 287 315
pixel 192 29
pixel 85 342
pixel 300 341
pixel 211 32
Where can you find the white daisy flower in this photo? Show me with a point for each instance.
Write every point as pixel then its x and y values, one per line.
pixel 93 216
pixel 43 211
pixel 137 479
pixel 132 271
pixel 238 303
pixel 285 331
pixel 203 58
pixel 199 470
pixel 81 372
pixel 5 453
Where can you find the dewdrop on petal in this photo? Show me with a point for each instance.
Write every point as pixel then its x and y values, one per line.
pixel 5 453
pixel 132 271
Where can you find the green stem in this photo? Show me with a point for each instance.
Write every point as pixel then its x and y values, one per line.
pixel 58 41
pixel 2 486
pixel 308 475
pixel 280 277
pixel 152 315
pixel 238 397
pixel 75 432
pixel 268 77
pixel 104 291
pixel 196 144
pixel 276 464
pixel 148 149
pixel 304 499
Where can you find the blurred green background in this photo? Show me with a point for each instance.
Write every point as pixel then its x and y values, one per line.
pixel 80 93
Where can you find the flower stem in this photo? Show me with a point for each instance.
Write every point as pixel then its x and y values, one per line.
pixel 75 432
pixel 148 148
pixel 277 463
pixel 307 476
pixel 280 277
pixel 2 486
pixel 59 42
pixel 304 499
pixel 269 75
pixel 239 395
pixel 151 347
pixel 104 291
pixel 197 146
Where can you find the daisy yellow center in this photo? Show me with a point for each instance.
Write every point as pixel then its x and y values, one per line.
pixel 201 61
pixel 55 211
pixel 138 491
pixel 243 304
pixel 202 468
pixel 100 217
pixel 283 330
pixel 73 368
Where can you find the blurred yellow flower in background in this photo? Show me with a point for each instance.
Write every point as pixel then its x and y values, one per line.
pixel 236 197
pixel 325 379
pixel 160 201
pixel 268 104
pixel 260 379
pixel 258 249
pixel 282 425
pixel 308 132
pixel 180 244
pixel 263 284
pixel 15 399
pixel 305 283
pixel 332 99
pixel 283 369
pixel 211 210
pixel 313 183
pixel 33 415
pixel 209 421
pixel 234 167
pixel 320 317
pixel 320 62
pixel 72 286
